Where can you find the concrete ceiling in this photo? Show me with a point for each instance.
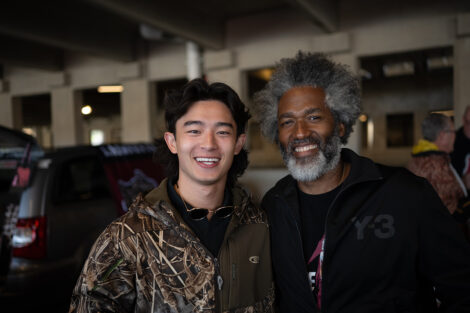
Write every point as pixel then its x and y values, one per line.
pixel 36 34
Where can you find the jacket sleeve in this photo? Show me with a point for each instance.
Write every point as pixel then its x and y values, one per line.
pixel 106 283
pixel 292 290
pixel 444 255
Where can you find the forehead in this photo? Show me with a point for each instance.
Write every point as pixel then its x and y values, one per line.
pixel 208 111
pixel 302 98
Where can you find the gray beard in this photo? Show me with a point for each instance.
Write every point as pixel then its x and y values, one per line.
pixel 311 168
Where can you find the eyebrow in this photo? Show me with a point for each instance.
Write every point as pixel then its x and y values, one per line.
pixel 200 123
pixel 305 112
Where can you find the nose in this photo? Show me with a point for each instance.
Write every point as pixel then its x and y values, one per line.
pixel 208 141
pixel 300 130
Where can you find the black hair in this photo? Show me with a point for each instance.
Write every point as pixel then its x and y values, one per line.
pixel 178 102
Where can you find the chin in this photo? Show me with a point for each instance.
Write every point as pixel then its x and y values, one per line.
pixel 311 168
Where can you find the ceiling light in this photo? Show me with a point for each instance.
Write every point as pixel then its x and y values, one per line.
pixel 398 69
pixel 116 88
pixel 365 73
pixel 264 74
pixel 86 110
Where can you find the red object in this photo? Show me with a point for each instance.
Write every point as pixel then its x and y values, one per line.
pixel 124 170
pixel 30 238
pixel 23 171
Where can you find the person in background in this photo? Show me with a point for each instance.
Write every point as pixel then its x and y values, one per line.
pixel 348 234
pixel 461 154
pixel 196 243
pixel 430 159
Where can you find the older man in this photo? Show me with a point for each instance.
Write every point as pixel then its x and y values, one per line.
pixel 350 235
pixel 430 159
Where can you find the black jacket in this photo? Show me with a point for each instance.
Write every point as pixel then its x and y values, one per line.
pixel 389 241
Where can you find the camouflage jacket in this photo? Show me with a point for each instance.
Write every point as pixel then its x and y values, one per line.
pixel 149 260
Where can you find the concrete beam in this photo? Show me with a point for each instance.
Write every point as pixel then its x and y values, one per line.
pixel 29 54
pixel 70 25
pixel 463 24
pixel 174 17
pixel 324 13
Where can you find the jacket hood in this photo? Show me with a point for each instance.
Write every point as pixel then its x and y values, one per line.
pixel 424 145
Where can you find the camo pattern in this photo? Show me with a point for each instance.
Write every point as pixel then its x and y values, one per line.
pixel 149 261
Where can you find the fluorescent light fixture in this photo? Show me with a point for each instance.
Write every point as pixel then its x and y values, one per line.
pixel 399 69
pixel 370 133
pixel 440 62
pixel 105 89
pixel 365 73
pixel 30 131
pixel 86 109
pixel 449 113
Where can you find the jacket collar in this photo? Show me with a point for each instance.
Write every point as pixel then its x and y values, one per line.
pixel 159 195
pixel 362 169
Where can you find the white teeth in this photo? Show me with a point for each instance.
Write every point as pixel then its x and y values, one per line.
pixel 306 148
pixel 210 160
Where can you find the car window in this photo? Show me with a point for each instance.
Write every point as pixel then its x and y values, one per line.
pixel 81 179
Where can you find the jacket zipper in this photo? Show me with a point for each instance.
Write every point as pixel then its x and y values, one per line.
pixel 218 283
pixel 325 241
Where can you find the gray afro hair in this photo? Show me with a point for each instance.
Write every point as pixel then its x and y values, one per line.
pixel 342 90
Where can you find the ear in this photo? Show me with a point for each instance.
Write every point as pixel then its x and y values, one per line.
pixel 170 142
pixel 240 143
pixel 342 129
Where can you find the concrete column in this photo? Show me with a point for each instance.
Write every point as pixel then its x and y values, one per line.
pixel 461 78
pixel 6 110
pixel 137 111
pixel 231 77
pixel 66 117
pixel 193 60
pixel 10 111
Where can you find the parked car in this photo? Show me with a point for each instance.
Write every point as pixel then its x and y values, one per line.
pixel 13 158
pixel 72 195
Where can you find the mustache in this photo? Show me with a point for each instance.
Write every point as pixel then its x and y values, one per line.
pixel 308 140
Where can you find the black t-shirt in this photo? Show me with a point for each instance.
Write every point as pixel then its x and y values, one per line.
pixel 313 211
pixel 210 232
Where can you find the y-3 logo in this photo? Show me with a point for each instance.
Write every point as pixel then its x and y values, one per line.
pixel 382 225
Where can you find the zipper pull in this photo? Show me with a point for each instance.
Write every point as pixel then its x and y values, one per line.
pixel 219 279
pixel 220 282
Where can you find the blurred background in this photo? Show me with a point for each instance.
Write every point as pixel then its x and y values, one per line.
pixel 94 72
pixel 91 72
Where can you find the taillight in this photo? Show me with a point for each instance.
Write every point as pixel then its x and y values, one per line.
pixel 29 238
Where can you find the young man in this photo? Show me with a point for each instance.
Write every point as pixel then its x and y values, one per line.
pixel 351 235
pixel 196 242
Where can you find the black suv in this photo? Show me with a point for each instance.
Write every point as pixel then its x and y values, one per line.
pixel 72 194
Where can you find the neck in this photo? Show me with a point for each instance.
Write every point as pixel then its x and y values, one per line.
pixel 328 181
pixel 208 196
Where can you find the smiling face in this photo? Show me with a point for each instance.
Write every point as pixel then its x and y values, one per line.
pixel 205 141
pixel 308 134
